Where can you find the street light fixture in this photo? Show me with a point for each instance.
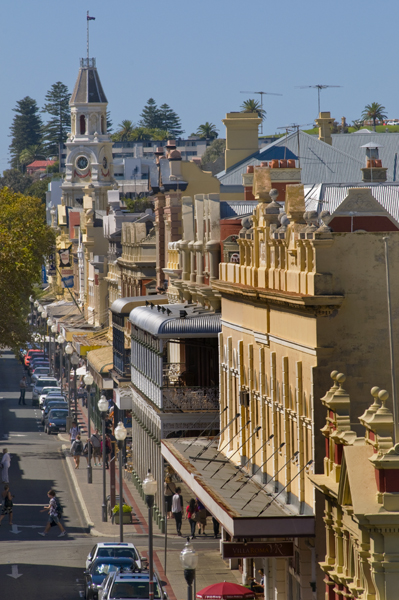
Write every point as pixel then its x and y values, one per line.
pixel 75 362
pixel 120 434
pixel 88 379
pixel 150 489
pixel 189 562
pixel 61 342
pixel 68 352
pixel 54 329
pixel 103 408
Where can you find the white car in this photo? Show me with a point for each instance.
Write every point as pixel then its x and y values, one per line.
pixel 40 384
pixel 117 550
pixel 48 390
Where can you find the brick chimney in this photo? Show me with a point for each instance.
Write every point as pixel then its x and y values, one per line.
pixel 373 172
pixel 325 122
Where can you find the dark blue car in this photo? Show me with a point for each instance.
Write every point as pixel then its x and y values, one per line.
pixel 100 569
pixel 56 420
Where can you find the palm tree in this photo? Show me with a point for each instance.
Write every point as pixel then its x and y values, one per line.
pixel 125 129
pixel 374 111
pixel 207 131
pixel 30 154
pixel 254 106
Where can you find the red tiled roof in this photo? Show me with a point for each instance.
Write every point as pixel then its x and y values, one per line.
pixel 41 163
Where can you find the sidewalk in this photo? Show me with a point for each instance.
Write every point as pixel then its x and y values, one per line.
pixel 211 567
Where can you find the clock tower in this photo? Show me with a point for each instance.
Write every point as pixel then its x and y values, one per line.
pixel 89 147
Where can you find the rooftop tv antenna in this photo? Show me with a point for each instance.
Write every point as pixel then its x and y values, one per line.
pixel 291 128
pixel 261 102
pixel 319 87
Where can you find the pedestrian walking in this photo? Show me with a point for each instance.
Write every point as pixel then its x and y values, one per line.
pixel 6 504
pixel 191 513
pixel 96 445
pixel 77 450
pixel 216 526
pixel 169 489
pixel 177 507
pixel 73 432
pixel 108 450
pixel 201 518
pixel 5 465
pixel 86 450
pixel 22 389
pixel 54 510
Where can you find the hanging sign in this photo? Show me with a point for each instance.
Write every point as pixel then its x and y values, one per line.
pixel 67 282
pixel 51 266
pixel 65 256
pixel 257 549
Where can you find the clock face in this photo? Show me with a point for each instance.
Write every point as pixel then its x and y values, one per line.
pixel 105 162
pixel 82 162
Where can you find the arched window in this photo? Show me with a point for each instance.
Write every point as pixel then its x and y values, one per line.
pixel 82 122
pixel 103 125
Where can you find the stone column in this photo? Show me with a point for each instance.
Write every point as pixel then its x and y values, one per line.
pixel 200 262
pixel 192 260
pixel 183 247
pixel 213 247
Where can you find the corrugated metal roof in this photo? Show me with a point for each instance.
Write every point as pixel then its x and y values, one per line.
pixel 388 150
pixel 236 208
pixel 329 197
pixel 195 324
pixel 126 305
pixel 319 161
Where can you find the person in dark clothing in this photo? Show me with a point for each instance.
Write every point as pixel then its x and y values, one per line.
pixel 22 389
pixel 191 512
pixel 216 527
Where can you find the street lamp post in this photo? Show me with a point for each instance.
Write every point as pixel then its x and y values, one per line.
pixel 44 317
pixel 75 362
pixel 120 434
pixel 103 408
pixel 61 341
pixel 150 489
pixel 49 325
pixel 88 379
pixel 68 352
pixel 189 562
pixel 53 331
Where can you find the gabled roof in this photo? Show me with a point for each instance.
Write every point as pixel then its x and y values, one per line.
pixel 330 196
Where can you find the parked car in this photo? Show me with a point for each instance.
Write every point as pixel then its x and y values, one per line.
pixel 100 569
pixel 48 390
pixel 129 586
pixel 53 397
pixel 30 354
pixel 56 420
pixel 41 383
pixel 39 372
pixel 38 362
pixel 50 406
pixel 114 550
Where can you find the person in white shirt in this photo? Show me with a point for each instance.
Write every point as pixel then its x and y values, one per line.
pixel 177 508
pixel 5 465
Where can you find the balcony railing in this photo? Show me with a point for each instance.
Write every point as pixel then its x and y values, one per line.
pixel 193 398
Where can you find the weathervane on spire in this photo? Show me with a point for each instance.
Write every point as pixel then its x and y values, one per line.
pixel 88 20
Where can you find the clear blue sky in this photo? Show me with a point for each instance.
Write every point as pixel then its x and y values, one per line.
pixel 197 56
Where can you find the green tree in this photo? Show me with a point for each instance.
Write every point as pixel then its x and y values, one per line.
pixel 150 118
pixel 138 205
pixel 38 189
pixel 125 130
pixel 374 111
pixel 140 134
pixel 254 106
pixel 109 122
pixel 26 128
pixel 56 130
pixel 28 155
pixel 207 131
pixel 169 121
pixel 15 180
pixel 25 240
pixel 213 152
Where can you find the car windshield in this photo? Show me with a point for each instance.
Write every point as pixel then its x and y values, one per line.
pixel 118 552
pixel 133 589
pixel 48 390
pixel 104 568
pixel 41 383
pixel 58 414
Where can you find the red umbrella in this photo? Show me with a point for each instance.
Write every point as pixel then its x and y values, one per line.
pixel 225 591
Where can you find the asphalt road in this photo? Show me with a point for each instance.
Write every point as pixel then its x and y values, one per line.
pixel 31 566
